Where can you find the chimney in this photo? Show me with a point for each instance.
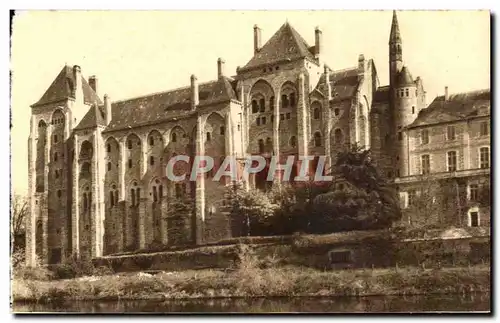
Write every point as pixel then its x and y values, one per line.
pixel 318 41
pixel 107 108
pixel 446 96
pixel 256 39
pixel 327 83
pixel 93 83
pixel 220 67
pixel 361 66
pixel 77 78
pixel 195 98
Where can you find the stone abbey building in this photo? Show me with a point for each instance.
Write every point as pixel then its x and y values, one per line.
pixel 97 181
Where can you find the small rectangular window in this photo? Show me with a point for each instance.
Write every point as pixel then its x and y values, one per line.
pixel 473 192
pixel 452 161
pixel 130 163
pixel 258 121
pixel 263 120
pixel 400 135
pixel 411 198
pixel 450 133
pixel 282 117
pixel 474 219
pixel 288 116
pixel 222 131
pixel 426 164
pixel 484 157
pixel 485 129
pixel 424 137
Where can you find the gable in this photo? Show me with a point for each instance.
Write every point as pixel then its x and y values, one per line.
pixel 285 44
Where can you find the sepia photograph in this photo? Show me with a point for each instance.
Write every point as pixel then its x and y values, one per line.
pixel 314 161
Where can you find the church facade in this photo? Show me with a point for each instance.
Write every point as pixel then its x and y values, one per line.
pixel 97 168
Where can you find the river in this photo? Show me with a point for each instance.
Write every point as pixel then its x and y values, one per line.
pixel 373 304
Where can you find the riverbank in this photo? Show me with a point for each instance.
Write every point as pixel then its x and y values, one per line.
pixel 249 281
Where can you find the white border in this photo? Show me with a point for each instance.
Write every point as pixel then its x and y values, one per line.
pixel 186 4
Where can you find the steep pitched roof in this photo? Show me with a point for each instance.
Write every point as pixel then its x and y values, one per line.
pixel 458 107
pixel 343 83
pixel 62 88
pixel 381 95
pixel 395 35
pixel 92 119
pixel 404 77
pixel 164 106
pixel 286 43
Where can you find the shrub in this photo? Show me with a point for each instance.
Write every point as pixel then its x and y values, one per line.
pixel 32 273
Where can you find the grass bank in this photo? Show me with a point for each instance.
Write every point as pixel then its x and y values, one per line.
pixel 248 281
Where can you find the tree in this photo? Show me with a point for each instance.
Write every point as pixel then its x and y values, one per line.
pixel 179 216
pixel 367 201
pixel 19 212
pixel 253 211
pixel 427 202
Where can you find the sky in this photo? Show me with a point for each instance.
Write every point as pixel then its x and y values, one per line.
pixel 134 53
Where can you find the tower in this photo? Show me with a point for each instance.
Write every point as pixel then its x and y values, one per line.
pixel 403 98
pixel 395 50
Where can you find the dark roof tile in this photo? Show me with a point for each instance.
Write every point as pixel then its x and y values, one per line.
pixel 285 44
pixel 381 95
pixel 344 83
pixel 91 119
pixel 62 88
pixel 458 107
pixel 164 106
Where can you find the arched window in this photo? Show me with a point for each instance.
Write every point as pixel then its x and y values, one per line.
pixel 336 111
pixel 269 143
pixel 129 144
pixel 261 145
pixel 316 113
pixel 271 103
pixel 109 166
pixel 55 157
pixel 317 139
pixel 293 141
pixel 262 105
pixel 111 198
pixel 160 190
pixel 222 131
pixel 85 202
pixel 338 136
pixel 132 196
pixel 108 148
pixel 151 160
pixel 209 136
pixel 151 141
pixel 155 194
pixel 255 106
pixel 174 137
pixel 284 101
pixel 292 100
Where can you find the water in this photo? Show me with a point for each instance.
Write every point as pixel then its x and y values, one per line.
pixel 375 304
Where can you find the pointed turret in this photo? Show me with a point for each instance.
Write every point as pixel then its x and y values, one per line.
pixel 395 50
pixel 395 36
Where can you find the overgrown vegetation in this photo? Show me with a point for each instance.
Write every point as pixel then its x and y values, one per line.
pixel 357 199
pixel 254 276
